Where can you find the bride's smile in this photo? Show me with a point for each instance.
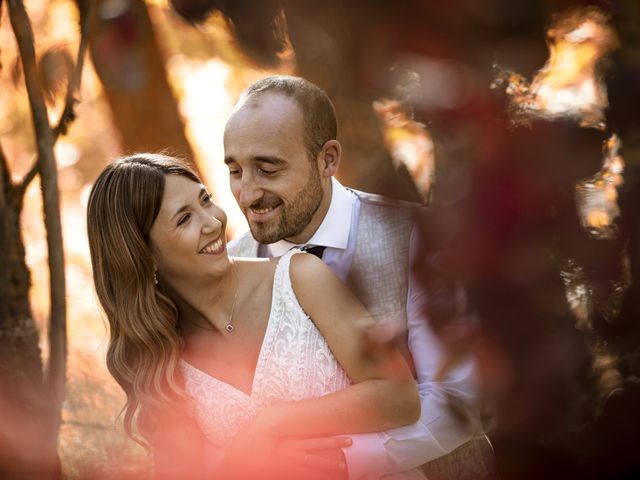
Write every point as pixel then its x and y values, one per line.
pixel 189 226
pixel 215 247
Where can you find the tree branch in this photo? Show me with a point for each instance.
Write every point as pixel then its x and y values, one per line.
pixel 68 114
pixel 21 26
pixel 21 188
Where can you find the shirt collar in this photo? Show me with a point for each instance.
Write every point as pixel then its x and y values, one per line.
pixel 334 230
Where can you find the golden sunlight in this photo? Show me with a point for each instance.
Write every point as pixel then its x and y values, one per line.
pixel 569 85
pixel 409 143
pixel 597 196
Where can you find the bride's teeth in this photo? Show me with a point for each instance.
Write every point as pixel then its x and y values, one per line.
pixel 213 247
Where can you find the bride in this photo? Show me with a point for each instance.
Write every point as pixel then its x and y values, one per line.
pixel 241 354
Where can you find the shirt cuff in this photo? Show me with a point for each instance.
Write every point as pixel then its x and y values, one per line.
pixel 366 457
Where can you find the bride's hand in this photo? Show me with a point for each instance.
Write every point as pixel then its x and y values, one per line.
pixel 250 453
pixel 259 450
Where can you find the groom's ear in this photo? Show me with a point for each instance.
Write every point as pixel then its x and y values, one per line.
pixel 330 158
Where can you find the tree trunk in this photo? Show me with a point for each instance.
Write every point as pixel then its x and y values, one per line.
pixel 128 62
pixel 27 444
pixel 31 404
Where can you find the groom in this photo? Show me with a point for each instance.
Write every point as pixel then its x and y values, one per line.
pixel 282 153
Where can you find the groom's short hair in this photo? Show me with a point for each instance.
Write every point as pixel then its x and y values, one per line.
pixel 318 113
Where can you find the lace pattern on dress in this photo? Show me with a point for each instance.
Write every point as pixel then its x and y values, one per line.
pixel 294 362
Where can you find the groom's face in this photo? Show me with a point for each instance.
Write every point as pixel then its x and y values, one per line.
pixel 277 186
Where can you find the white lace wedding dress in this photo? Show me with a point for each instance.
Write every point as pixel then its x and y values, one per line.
pixel 294 363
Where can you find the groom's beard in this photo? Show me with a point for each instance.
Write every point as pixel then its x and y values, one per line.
pixel 293 216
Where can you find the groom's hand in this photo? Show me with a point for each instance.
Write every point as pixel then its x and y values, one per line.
pixel 315 458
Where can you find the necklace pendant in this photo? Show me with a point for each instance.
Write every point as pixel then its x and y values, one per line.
pixel 229 328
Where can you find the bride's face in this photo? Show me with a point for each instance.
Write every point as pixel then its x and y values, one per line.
pixel 188 236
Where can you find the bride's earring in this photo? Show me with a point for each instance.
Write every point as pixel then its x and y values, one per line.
pixel 155 278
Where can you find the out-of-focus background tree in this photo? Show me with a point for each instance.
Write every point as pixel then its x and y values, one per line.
pixel 544 237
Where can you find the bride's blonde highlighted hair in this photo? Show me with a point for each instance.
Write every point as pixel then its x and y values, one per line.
pixel 145 343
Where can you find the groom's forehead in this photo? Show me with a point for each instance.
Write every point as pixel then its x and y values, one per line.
pixel 267 106
pixel 265 136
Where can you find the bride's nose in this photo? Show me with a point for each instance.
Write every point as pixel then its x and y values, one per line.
pixel 211 224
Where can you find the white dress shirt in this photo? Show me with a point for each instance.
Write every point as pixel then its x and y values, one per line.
pixel 385 454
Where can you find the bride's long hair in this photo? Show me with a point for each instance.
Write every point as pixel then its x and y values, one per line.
pixel 145 343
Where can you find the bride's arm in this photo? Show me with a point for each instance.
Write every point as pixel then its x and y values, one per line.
pixel 384 394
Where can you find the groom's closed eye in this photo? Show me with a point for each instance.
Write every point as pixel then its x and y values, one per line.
pixel 270 165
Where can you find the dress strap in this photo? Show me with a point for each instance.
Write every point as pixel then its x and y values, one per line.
pixel 283 304
pixel 282 276
pixel 282 288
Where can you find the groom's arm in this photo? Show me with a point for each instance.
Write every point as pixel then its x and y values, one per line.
pixel 449 406
pixel 438 432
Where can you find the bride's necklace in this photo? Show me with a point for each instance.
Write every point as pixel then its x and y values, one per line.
pixel 229 325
